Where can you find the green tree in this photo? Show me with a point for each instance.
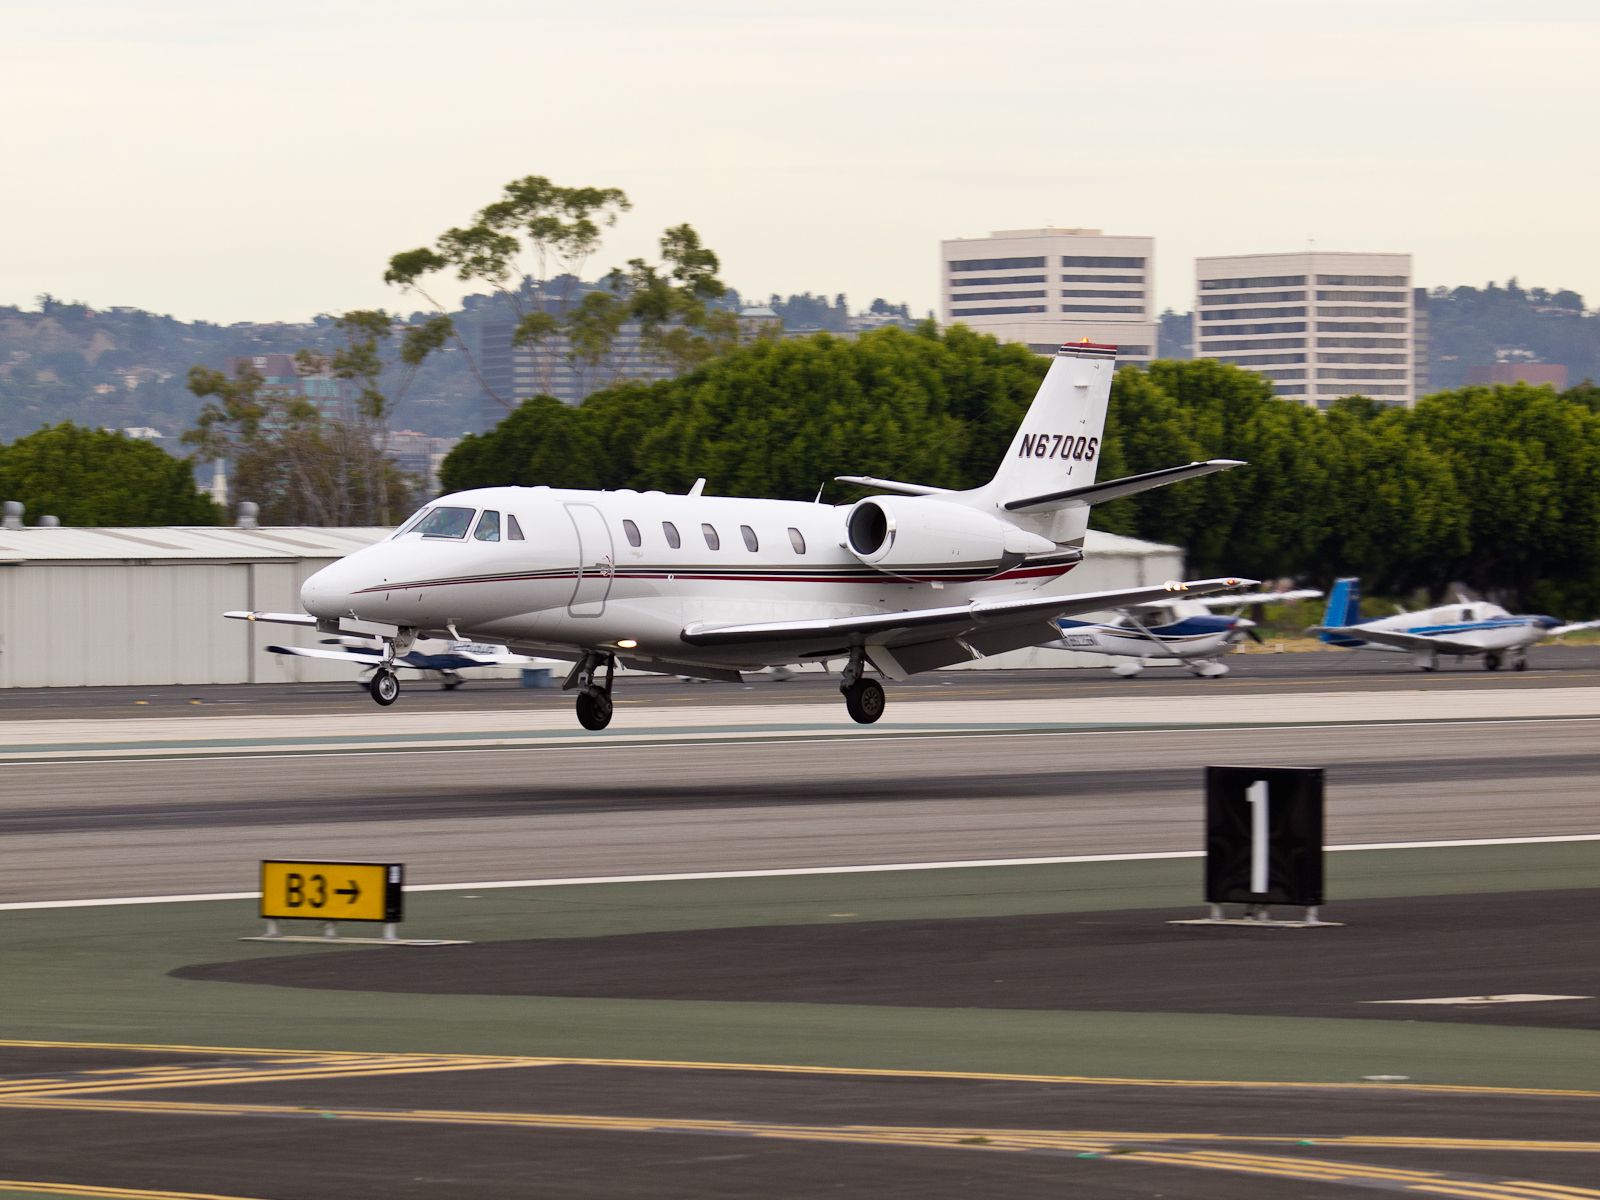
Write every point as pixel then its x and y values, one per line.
pixel 529 248
pixel 95 477
pixel 301 466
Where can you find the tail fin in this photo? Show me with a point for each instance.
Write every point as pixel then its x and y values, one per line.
pixel 1344 608
pixel 1058 444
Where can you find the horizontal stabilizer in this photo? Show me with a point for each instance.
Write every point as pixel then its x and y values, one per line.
pixel 891 485
pixel 1116 489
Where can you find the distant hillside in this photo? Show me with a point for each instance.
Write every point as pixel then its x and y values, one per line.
pixel 1472 326
pixel 123 367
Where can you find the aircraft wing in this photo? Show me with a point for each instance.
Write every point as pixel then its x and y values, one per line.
pixel 936 637
pixel 349 655
pixel 1261 597
pixel 1401 641
pixel 273 618
pixel 1572 628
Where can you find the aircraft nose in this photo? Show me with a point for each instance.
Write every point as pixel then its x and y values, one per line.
pixel 328 592
pixel 1243 623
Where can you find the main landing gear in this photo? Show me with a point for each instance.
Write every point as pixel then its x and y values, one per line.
pixel 384 685
pixel 594 701
pixel 863 698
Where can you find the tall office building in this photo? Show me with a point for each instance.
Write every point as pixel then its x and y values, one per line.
pixel 1318 324
pixel 1044 287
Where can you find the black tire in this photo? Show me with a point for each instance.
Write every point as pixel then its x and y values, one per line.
pixel 1520 665
pixel 450 681
pixel 384 686
pixel 864 700
pixel 594 710
pixel 1491 661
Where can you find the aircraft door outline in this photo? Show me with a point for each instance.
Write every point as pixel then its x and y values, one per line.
pixel 596 561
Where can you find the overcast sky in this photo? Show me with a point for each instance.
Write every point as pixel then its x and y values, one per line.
pixel 263 161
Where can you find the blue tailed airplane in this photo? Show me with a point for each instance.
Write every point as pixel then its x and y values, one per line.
pixel 1468 627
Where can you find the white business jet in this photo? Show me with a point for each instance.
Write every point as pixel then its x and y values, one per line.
pixel 709 587
pixel 1183 632
pixel 1463 629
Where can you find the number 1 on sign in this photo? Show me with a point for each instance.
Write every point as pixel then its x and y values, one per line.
pixel 1256 794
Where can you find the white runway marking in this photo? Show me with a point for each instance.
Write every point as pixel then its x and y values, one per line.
pixel 689 876
pixel 1475 1001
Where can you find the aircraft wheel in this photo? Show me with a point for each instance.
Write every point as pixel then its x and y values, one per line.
pixel 451 681
pixel 594 710
pixel 864 700
pixel 384 686
pixel 1491 662
pixel 1520 665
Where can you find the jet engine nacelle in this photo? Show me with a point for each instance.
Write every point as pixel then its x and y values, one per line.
pixel 900 535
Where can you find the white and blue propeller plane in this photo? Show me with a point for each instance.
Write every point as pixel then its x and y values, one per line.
pixel 1185 632
pixel 1465 629
pixel 710 587
pixel 441 659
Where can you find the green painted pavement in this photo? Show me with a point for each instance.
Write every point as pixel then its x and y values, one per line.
pixel 100 975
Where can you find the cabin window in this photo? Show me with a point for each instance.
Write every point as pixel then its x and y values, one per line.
pixel 415 519
pixel 513 530
pixel 1466 614
pixel 671 530
pixel 632 531
pixel 488 529
pixel 750 542
pixel 797 540
pixel 447 523
pixel 713 542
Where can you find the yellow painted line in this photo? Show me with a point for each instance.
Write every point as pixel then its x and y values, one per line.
pixel 110 1193
pixel 1489 1191
pixel 201 1077
pixel 1337 1168
pixel 1105 1140
pixel 849 1072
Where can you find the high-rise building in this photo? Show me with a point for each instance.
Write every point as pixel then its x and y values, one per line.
pixel 1318 324
pixel 1043 287
pixel 332 398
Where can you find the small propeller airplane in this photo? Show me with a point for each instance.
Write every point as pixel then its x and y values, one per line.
pixel 1464 629
pixel 711 586
pixel 1178 631
pixel 442 659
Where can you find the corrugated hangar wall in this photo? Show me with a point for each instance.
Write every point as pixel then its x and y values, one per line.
pixel 83 607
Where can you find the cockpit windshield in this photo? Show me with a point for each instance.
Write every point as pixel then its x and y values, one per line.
pixel 413 521
pixel 446 523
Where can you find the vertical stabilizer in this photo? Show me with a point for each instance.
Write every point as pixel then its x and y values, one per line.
pixel 1344 609
pixel 1058 443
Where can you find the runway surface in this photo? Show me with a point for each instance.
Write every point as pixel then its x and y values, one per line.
pixel 1011 1031
pixel 174 798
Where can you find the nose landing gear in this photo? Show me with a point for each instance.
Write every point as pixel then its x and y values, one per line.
pixel 594 701
pixel 384 685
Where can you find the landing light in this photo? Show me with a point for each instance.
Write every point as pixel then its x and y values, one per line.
pixel 627 644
